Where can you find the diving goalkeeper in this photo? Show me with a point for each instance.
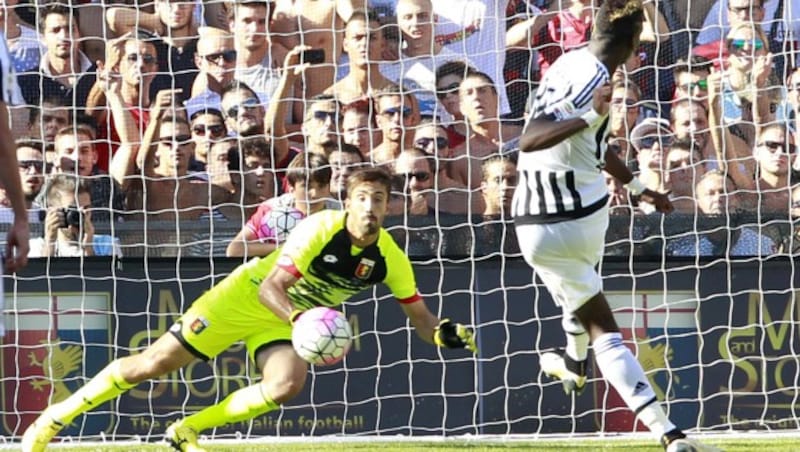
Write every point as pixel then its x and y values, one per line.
pixel 258 303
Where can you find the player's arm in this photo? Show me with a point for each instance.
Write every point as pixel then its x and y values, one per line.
pixel 615 167
pixel 246 243
pixel 547 130
pixel 272 291
pixel 17 238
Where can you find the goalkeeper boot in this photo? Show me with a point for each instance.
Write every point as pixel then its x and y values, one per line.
pixel 40 433
pixel 571 373
pixel 676 441
pixel 182 438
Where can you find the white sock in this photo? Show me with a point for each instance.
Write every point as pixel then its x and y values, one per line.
pixel 622 371
pixel 577 339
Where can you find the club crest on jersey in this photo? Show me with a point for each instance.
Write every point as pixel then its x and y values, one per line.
pixel 198 325
pixel 364 269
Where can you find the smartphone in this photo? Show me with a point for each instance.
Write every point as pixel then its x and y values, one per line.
pixel 313 56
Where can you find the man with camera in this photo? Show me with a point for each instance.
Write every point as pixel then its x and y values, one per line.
pixel 68 227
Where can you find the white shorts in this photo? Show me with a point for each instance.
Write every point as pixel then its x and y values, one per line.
pixel 565 256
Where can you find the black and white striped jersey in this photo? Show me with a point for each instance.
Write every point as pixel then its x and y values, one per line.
pixel 565 181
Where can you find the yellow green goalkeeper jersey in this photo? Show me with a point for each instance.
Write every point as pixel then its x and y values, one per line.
pixel 330 269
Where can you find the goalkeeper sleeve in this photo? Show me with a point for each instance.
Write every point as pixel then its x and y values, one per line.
pixel 454 335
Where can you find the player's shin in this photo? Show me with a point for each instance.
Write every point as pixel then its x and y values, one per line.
pixel 106 385
pixel 622 371
pixel 242 405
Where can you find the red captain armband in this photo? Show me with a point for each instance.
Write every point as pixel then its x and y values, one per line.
pixel 286 263
pixel 412 299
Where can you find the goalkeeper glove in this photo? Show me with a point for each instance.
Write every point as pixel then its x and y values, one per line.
pixel 295 315
pixel 454 335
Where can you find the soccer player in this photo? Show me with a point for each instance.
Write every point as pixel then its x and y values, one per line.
pixel 560 208
pixel 329 257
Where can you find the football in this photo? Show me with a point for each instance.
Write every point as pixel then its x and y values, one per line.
pixel 322 336
pixel 279 222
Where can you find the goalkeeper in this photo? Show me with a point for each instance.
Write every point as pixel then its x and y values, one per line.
pixel 327 258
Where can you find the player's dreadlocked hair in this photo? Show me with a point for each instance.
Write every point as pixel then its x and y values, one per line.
pixel 617 20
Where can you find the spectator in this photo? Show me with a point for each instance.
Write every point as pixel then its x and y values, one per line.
pixel 208 127
pixel 476 30
pixel 343 162
pixel 364 43
pixel 479 99
pixel 24 45
pixel 689 122
pixel 788 108
pixel 421 55
pixel 618 197
pixel 691 79
pixel 64 70
pixel 711 38
pixel 448 78
pixel 716 197
pixel 432 139
pixel 309 179
pixel 746 95
pixel 772 188
pixel 624 115
pixel 790 242
pixel 155 176
pixel 30 156
pixel 47 118
pixel 174 25
pixel 414 168
pixel 76 155
pixel 567 26
pixel 68 226
pixel 357 128
pixel 394 116
pixel 683 169
pixel 256 55
pixel 652 140
pixel 497 185
pixel 317 25
pixel 123 85
pixel 216 60
pixel 244 113
pixel 251 178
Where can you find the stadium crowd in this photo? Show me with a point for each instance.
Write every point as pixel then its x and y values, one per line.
pixel 254 113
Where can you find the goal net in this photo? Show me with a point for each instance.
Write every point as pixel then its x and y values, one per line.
pixel 705 297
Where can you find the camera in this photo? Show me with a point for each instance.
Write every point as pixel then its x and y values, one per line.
pixel 72 217
pixel 313 56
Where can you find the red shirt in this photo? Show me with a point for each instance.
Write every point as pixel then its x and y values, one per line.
pixel 106 145
pixel 563 33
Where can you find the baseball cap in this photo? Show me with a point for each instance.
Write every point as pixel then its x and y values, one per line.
pixel 649 130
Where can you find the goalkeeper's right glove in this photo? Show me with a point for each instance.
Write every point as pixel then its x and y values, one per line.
pixel 454 335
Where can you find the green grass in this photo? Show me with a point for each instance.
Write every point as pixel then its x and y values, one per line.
pixel 763 442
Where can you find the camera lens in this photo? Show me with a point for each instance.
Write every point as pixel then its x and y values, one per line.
pixel 73 216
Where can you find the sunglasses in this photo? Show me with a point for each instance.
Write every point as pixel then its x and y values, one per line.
pixel 443 92
pixel 775 145
pixel 702 84
pixel 249 103
pixel 739 44
pixel 322 115
pixel 228 56
pixel 622 100
pixel 38 165
pixel 179 139
pixel 424 143
pixel 390 112
pixel 648 142
pixel 213 130
pixel 421 176
pixel 146 59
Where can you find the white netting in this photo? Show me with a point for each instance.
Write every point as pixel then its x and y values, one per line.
pixel 706 296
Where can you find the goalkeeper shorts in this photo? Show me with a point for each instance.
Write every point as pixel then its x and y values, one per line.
pixel 228 313
pixel 565 256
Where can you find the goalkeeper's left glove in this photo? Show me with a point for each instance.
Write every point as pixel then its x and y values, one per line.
pixel 454 335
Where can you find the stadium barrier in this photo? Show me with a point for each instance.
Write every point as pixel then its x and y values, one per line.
pixel 719 337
